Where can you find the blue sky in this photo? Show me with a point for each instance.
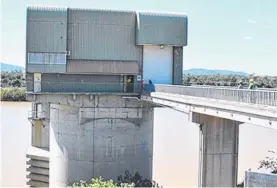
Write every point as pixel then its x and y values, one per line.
pixel 222 34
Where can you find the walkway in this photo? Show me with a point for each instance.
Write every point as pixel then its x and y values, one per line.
pixel 257 107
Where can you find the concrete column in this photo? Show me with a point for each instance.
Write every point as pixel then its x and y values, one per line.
pixel 40 125
pixel 218 151
pixel 103 140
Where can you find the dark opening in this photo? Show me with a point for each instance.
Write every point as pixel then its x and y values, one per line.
pixel 130 85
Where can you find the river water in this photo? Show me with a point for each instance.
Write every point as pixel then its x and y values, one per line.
pixel 175 160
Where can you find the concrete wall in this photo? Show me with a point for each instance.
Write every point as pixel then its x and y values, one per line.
pixel 218 163
pixel 177 65
pixel 256 179
pixel 103 141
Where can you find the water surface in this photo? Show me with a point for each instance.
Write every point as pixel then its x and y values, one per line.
pixel 175 160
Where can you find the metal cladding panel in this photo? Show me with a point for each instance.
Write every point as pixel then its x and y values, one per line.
pixel 46 14
pixel 46 30
pixel 102 35
pixel 44 68
pixel 161 29
pixel 80 78
pixel 30 81
pixel 80 83
pixel 177 65
pixel 103 67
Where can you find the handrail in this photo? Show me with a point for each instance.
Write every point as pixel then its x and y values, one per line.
pixel 263 97
pixel 36 114
pixel 220 88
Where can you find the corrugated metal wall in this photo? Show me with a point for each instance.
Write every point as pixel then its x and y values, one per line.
pixel 30 81
pixel 46 30
pixel 177 65
pixel 79 78
pixel 80 83
pixel 46 33
pixel 44 68
pixel 102 35
pixel 100 42
pixel 103 67
pixel 161 28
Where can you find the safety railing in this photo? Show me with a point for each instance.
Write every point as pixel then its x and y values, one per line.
pixel 263 97
pixel 82 87
pixel 36 114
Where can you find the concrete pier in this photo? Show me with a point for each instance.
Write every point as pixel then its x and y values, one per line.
pixel 218 160
pixel 102 140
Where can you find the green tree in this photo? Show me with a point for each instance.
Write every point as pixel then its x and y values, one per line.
pixel 128 180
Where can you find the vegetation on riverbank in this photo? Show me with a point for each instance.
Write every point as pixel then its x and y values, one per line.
pixel 230 80
pixel 128 180
pixel 13 86
pixel 13 94
pixel 13 79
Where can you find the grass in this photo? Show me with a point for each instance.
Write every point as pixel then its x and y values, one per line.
pixel 13 94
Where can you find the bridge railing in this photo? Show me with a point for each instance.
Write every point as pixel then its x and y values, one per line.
pixel 263 97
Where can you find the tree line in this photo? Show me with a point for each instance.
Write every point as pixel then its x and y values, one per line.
pixel 13 79
pixel 230 80
pixel 17 79
pixel 13 86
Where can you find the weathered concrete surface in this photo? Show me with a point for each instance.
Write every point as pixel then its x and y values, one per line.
pixel 104 140
pixel 256 179
pixel 218 151
pixel 79 99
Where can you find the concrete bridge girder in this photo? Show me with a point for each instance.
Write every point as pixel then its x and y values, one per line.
pixel 268 121
pixel 219 132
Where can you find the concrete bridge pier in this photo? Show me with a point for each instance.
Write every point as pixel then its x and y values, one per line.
pixel 218 160
pixel 104 140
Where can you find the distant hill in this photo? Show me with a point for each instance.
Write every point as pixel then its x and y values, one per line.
pixel 10 67
pixel 195 71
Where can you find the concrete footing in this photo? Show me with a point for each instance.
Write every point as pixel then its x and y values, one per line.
pixel 218 160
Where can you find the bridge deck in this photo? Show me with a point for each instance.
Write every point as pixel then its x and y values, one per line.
pixel 226 104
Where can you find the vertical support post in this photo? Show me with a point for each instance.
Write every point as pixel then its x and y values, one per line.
pixel 200 162
pixel 218 156
pixel 177 65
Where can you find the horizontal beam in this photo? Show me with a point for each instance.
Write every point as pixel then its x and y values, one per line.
pixel 244 117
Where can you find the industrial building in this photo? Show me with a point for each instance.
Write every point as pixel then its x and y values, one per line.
pixel 92 50
pixel 86 119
